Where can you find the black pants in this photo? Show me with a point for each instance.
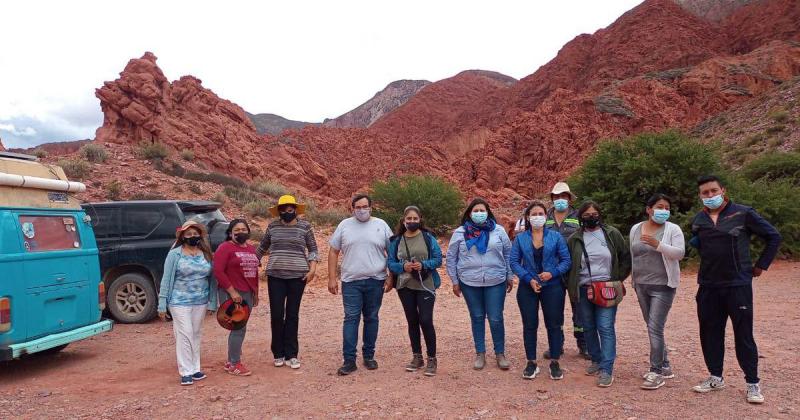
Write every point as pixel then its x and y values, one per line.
pixel 714 306
pixel 418 306
pixel 284 308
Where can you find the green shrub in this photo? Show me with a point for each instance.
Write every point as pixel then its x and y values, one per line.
pixel 94 153
pixel 113 190
pixel 326 217
pixel 175 169
pixel 39 153
pixel 755 138
pixel 258 208
pixel 440 201
pixel 240 196
pixel 779 116
pixel 775 142
pixel 195 188
pixel 75 168
pixel 152 151
pixel 219 197
pixel 775 129
pixel 270 188
pixel 187 155
pixel 774 166
pixel 775 200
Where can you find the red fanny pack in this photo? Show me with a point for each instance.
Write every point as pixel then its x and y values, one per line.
pixel 605 293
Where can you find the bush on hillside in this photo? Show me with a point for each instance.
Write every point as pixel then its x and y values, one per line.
pixel 440 201
pixel 774 166
pixel 94 153
pixel 75 168
pixel 152 151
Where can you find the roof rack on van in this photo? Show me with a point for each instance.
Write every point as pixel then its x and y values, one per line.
pixel 20 156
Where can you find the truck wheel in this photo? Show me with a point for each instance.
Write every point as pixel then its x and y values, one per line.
pixel 132 299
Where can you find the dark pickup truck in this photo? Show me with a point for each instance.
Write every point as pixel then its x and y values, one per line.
pixel 133 238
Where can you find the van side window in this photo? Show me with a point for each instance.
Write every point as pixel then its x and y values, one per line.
pixel 49 233
pixel 140 222
pixel 106 222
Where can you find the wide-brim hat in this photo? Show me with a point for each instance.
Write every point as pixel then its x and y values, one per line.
pixel 287 200
pixel 233 316
pixel 560 188
pixel 191 224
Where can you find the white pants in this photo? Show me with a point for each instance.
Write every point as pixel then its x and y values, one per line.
pixel 187 323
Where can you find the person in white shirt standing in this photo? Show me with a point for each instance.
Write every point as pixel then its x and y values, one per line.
pixel 362 239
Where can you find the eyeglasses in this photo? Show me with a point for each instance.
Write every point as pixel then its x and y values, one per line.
pixel 362 207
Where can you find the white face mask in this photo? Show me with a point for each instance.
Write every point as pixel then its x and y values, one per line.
pixel 537 221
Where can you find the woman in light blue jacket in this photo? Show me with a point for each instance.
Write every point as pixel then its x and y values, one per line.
pixel 188 290
pixel 478 266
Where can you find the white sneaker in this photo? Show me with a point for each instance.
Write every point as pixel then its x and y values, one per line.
pixel 713 383
pixel 279 362
pixel 294 363
pixel 754 395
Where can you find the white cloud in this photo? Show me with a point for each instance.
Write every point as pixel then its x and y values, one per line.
pixel 25 132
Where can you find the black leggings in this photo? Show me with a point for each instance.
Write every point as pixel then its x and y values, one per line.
pixel 284 307
pixel 418 306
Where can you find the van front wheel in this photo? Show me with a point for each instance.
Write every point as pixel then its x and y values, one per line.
pixel 132 299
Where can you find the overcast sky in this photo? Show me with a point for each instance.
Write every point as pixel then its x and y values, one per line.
pixel 303 60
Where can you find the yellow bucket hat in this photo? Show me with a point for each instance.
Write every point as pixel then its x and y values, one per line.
pixel 287 200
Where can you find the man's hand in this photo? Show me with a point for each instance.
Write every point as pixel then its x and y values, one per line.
pixel 457 290
pixel 509 286
pixel 388 285
pixel 333 285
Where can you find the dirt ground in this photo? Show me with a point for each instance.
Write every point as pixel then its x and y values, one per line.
pixel 131 371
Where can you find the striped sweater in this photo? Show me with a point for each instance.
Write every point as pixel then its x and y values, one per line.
pixel 287 246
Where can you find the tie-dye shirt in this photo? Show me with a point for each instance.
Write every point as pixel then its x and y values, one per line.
pixel 191 285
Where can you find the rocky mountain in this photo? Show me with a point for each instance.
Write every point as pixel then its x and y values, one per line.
pixel 713 10
pixel 2 148
pixel 384 102
pixel 274 124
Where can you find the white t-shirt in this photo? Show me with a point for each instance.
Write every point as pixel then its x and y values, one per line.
pixel 364 248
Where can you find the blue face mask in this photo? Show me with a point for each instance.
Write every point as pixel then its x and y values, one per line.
pixel 479 217
pixel 561 204
pixel 714 202
pixel 660 216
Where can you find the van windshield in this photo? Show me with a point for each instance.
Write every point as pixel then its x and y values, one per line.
pixel 49 233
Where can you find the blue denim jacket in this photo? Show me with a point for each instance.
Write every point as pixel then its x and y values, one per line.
pixel 555 258
pixel 435 261
pixel 479 270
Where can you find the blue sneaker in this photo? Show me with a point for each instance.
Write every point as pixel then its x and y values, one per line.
pixel 199 376
pixel 186 380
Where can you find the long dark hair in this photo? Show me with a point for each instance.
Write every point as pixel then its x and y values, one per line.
pixel 472 204
pixel 401 226
pixel 588 204
pixel 526 215
pixel 655 198
pixel 232 225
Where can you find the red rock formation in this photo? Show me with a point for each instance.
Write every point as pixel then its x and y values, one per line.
pixel 2 148
pixel 384 102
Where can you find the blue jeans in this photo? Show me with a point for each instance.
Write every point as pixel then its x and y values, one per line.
pixel 552 300
pixel 482 303
pixel 598 327
pixel 361 297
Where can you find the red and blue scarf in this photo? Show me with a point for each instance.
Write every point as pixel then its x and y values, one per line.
pixel 478 235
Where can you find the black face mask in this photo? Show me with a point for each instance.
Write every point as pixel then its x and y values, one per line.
pixel 412 226
pixel 590 222
pixel 288 217
pixel 192 241
pixel 241 238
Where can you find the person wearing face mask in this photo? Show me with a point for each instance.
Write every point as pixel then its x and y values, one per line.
pixel 414 256
pixel 236 269
pixel 478 266
pixel 601 260
pixel 540 258
pixel 292 264
pixel 657 246
pixel 721 232
pixel 362 239
pixel 188 289
pixel 563 218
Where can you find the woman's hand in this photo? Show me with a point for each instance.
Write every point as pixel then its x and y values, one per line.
pixel 209 312
pixel 255 299
pixel 235 296
pixel 162 316
pixel 546 276
pixel 388 285
pixel 408 267
pixel 650 240
pixel 457 290
pixel 509 286
pixel 536 286
pixel 310 277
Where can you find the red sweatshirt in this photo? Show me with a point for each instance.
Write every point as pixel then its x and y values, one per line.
pixel 236 266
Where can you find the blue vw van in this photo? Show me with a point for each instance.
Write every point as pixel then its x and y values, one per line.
pixel 50 288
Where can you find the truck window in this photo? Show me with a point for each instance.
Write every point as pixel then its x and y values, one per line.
pixel 106 222
pixel 140 222
pixel 49 233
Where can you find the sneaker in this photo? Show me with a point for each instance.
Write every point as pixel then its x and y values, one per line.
pixel 227 366
pixel 280 361
pixel 531 370
pixel 238 369
pixel 502 362
pixel 652 380
pixel 593 369
pixel 347 368
pixel 754 395
pixel 583 352
pixel 199 376
pixel 294 363
pixel 605 379
pixel 416 363
pixel 555 371
pixel 713 383
pixel 480 361
pixel 371 364
pixel 430 370
pixel 666 372
pixel 186 380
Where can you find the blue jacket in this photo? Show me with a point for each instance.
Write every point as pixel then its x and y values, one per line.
pixel 474 269
pixel 168 280
pixel 433 262
pixel 555 258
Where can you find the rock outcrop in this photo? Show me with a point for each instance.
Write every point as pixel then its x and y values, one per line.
pixel 275 124
pixel 384 102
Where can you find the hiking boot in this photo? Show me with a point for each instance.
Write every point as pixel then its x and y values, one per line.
pixel 605 379
pixel 199 376
pixel 239 369
pixel 502 362
pixel 416 363
pixel 480 361
pixel 754 395
pixel 370 364
pixel 279 361
pixel 666 372
pixel 713 383
pixel 593 369
pixel 347 368
pixel 430 370
pixel 555 371
pixel 186 380
pixel 652 380
pixel 531 370
pixel 294 363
